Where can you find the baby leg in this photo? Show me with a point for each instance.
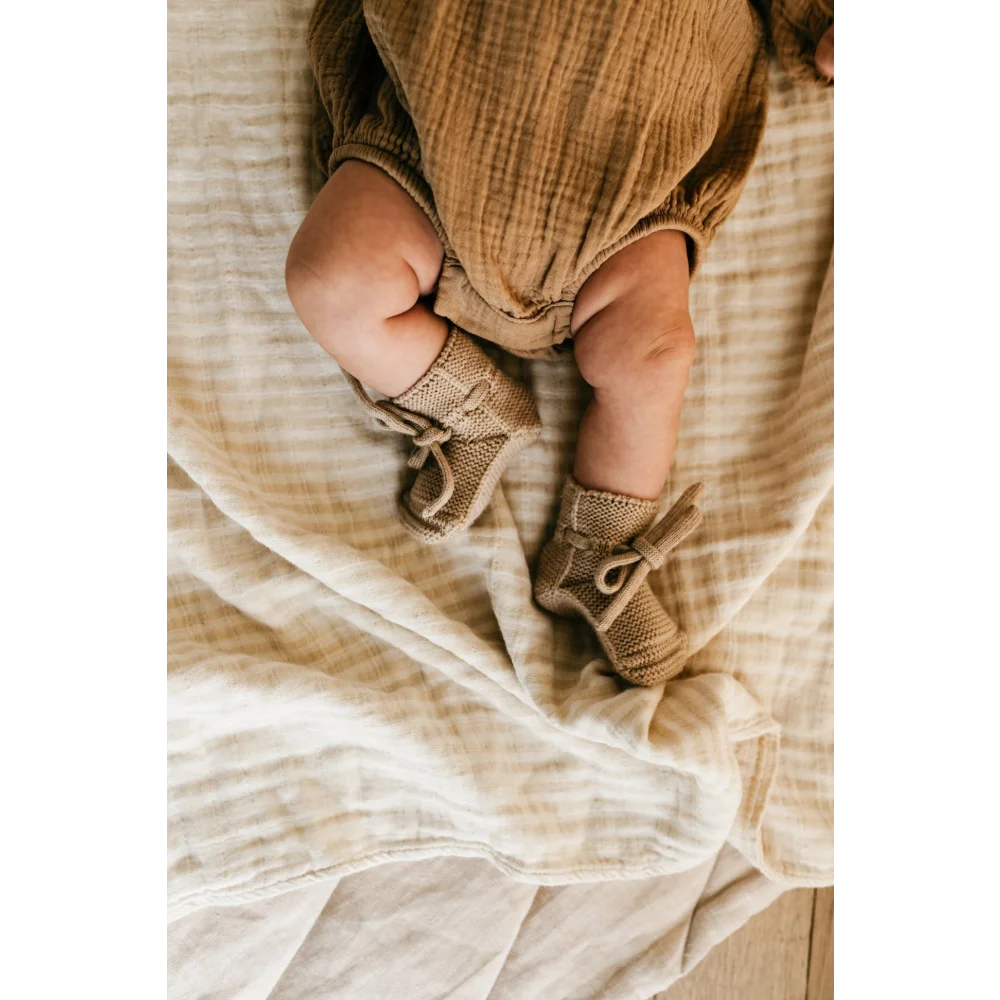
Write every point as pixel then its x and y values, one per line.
pixel 634 344
pixel 356 271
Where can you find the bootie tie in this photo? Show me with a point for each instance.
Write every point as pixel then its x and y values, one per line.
pixel 595 567
pixel 469 419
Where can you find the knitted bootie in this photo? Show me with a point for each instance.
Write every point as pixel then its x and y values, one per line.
pixel 471 419
pixel 595 567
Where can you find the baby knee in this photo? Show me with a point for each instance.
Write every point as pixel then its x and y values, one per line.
pixel 308 285
pixel 671 349
pixel 635 360
pixel 340 293
pixel 319 286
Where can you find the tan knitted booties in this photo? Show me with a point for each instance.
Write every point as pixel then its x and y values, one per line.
pixel 471 419
pixel 595 567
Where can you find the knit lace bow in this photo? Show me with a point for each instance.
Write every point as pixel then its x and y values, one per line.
pixel 427 436
pixel 622 572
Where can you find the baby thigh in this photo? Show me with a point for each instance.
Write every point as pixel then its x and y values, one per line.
pixel 357 268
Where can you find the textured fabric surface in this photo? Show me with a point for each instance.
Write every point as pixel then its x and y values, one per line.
pixel 796 27
pixel 458 928
pixel 595 566
pixel 542 137
pixel 342 696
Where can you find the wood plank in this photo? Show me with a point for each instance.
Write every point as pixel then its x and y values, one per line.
pixel 767 959
pixel 820 985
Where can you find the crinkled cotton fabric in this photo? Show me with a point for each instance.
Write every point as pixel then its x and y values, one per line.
pixel 342 696
pixel 540 138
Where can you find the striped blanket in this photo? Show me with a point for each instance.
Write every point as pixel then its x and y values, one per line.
pixel 341 697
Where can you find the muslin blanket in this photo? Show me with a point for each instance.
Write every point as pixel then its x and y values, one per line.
pixel 459 928
pixel 341 697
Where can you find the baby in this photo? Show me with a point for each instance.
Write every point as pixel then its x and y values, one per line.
pixel 536 174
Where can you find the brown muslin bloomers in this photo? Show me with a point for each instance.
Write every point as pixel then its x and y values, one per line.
pixel 541 136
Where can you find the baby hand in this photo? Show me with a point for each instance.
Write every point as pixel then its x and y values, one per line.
pixel 824 53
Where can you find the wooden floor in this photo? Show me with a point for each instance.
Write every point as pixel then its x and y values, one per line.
pixel 784 953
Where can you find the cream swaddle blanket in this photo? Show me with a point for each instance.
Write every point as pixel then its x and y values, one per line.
pixel 341 696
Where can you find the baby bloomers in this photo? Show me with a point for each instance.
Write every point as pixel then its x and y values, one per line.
pixel 540 139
